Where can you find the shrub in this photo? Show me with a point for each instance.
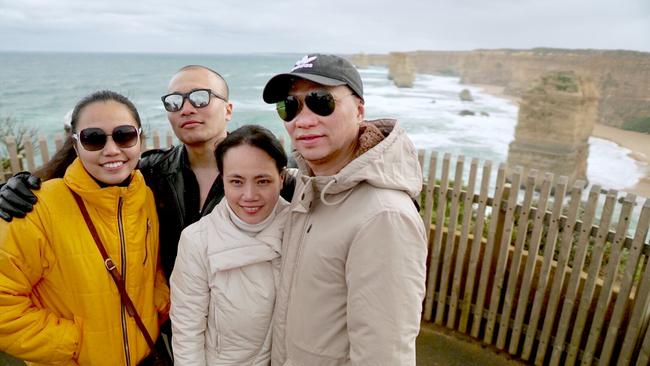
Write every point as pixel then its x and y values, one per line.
pixel 641 124
pixel 11 127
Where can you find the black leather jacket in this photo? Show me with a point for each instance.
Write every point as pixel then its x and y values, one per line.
pixel 163 172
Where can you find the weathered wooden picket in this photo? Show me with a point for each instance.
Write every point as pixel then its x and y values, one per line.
pixel 546 283
pixel 542 278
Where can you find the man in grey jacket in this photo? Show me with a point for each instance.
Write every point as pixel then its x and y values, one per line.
pixel 354 249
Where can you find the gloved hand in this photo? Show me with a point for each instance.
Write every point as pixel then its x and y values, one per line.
pixel 16 197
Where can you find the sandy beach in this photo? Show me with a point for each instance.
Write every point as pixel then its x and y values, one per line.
pixel 637 142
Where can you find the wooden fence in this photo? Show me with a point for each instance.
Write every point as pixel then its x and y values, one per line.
pixel 543 279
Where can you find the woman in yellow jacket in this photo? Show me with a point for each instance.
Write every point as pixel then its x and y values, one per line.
pixel 58 302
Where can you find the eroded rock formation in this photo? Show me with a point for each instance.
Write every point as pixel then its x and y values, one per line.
pixel 556 118
pixel 466 96
pixel 401 70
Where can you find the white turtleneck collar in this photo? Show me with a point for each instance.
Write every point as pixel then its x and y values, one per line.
pixel 251 229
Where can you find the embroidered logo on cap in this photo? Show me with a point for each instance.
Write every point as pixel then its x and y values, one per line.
pixel 305 62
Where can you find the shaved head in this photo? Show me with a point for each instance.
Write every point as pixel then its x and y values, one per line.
pixel 194 67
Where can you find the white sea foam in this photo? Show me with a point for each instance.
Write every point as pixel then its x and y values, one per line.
pixel 610 165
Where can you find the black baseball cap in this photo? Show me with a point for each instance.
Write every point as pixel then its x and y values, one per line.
pixel 329 70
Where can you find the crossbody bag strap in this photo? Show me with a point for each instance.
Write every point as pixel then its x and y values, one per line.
pixel 115 274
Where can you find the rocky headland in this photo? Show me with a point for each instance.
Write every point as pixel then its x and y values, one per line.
pixel 621 78
pixel 564 97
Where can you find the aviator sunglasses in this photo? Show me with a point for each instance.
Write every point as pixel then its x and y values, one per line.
pixel 199 98
pixel 94 139
pixel 320 102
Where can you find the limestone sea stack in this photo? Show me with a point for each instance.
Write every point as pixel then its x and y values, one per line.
pixel 556 118
pixel 401 70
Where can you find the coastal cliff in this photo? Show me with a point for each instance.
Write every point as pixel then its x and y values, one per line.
pixel 622 78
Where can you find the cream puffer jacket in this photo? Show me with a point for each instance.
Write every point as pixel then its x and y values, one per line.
pixel 223 291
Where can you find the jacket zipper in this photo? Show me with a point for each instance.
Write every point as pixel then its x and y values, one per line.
pixel 303 233
pixel 146 242
pixel 293 274
pixel 120 226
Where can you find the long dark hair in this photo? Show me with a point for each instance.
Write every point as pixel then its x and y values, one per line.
pixel 256 136
pixel 55 168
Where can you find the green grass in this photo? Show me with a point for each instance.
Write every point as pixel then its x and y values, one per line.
pixel 6 360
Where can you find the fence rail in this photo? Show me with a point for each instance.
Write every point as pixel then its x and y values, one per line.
pixel 530 269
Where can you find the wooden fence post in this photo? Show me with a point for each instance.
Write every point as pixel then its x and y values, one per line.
pixel 462 244
pixel 13 154
pixel 476 247
pixel 488 256
pixel 434 263
pixel 42 145
pixel 515 263
pixel 170 139
pixel 450 246
pixel 58 141
pixel 28 149
pixel 502 256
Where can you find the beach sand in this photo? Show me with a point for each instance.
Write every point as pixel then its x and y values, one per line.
pixel 637 142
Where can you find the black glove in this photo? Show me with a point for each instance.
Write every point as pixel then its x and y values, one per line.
pixel 16 197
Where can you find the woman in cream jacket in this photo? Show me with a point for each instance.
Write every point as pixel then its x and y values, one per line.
pixel 225 275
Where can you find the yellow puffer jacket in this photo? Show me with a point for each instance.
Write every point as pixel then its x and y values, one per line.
pixel 58 303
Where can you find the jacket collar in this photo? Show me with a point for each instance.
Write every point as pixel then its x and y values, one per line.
pixel 81 182
pixel 391 163
pixel 236 248
pixel 173 161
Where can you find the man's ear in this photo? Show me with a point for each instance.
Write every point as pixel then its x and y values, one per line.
pixel 361 111
pixel 229 107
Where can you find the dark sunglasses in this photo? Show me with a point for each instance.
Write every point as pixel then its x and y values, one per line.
pixel 320 102
pixel 199 98
pixel 94 139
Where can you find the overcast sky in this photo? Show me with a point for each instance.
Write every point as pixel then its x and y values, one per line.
pixel 341 26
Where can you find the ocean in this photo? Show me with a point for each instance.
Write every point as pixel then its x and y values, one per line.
pixel 38 89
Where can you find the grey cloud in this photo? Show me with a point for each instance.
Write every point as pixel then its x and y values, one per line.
pixel 335 25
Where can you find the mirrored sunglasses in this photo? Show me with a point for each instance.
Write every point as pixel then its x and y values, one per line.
pixel 94 139
pixel 199 98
